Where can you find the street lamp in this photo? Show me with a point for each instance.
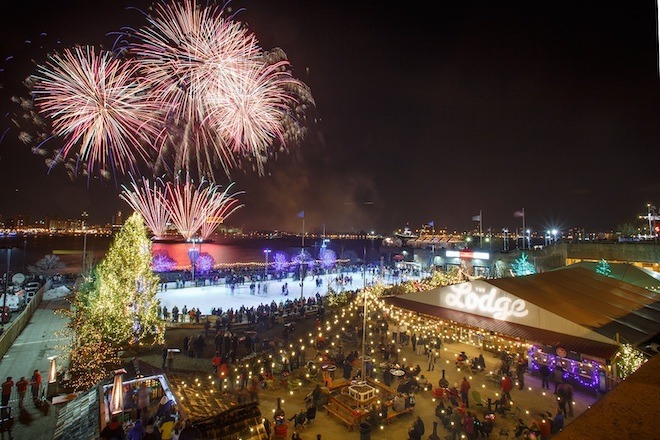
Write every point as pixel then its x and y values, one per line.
pixel 193 253
pixel 529 239
pixel 4 296
pixel 266 252
pixel 52 377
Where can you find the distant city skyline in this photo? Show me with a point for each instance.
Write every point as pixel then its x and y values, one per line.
pixel 639 223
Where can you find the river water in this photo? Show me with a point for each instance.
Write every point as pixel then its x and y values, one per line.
pixel 27 250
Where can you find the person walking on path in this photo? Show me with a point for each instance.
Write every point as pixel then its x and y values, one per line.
pixel 21 387
pixel 465 389
pixel 216 361
pixel 520 375
pixel 558 376
pixel 507 386
pixel 544 371
pixel 36 384
pixel 433 357
pixel 6 390
pixel 468 426
pixel 565 398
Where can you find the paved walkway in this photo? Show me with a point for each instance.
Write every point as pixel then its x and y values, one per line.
pixel 30 351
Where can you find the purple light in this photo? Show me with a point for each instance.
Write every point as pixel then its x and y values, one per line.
pixel 328 258
pixel 571 367
pixel 162 262
pixel 280 261
pixel 204 262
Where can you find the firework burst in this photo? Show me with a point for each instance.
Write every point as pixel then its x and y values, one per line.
pixel 192 206
pixel 98 109
pixel 223 100
pixel 148 200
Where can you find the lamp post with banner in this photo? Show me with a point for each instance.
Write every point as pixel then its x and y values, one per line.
pixel 266 252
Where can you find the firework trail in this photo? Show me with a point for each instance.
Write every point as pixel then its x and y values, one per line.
pixel 98 108
pixel 222 206
pixel 191 206
pixel 149 201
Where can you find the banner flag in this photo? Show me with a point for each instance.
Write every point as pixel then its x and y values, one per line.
pixel 301 214
pixel 477 218
pixel 519 214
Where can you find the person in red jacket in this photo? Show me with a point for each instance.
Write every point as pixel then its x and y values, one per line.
pixel 465 389
pixel 21 387
pixel 507 386
pixel 36 384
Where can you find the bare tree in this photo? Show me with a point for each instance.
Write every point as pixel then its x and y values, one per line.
pixel 48 266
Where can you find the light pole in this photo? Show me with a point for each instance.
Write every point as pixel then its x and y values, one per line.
pixel 554 235
pixel 84 261
pixel 528 234
pixel 266 252
pixel 505 240
pixel 83 223
pixel 4 296
pixel 193 253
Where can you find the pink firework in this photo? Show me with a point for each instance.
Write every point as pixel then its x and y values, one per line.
pixel 222 99
pixel 223 205
pixel 248 110
pixel 192 206
pixel 98 109
pixel 148 200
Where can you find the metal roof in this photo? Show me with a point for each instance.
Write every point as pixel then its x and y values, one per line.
pixel 605 305
pixel 587 347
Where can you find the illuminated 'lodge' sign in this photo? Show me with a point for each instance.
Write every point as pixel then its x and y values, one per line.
pixel 502 307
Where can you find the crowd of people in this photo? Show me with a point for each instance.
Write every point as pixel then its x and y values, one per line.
pixel 22 386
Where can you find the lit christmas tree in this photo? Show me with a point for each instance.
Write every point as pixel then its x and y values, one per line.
pixel 115 307
pixel 124 302
pixel 629 360
pixel 603 268
pixel 522 266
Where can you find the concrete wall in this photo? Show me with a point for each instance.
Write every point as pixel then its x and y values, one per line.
pixel 14 328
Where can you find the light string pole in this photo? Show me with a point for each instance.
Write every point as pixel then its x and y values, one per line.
pixel 4 296
pixel 364 314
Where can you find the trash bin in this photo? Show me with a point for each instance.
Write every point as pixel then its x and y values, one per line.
pixel 365 431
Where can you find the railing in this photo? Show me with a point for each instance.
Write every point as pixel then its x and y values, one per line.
pixel 14 328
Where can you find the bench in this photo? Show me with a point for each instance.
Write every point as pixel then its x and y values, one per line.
pixel 382 386
pixel 339 411
pixel 391 414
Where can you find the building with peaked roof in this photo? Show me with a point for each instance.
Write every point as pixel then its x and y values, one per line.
pixel 626 272
pixel 573 316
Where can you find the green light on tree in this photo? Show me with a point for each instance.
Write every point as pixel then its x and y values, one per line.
pixel 115 308
pixel 603 268
pixel 522 266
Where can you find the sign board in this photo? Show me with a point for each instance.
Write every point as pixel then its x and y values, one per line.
pixel 490 303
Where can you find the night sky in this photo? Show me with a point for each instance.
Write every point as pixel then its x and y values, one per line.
pixel 426 113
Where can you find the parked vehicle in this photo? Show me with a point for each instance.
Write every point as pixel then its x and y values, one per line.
pixel 15 300
pixel 29 294
pixel 32 285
